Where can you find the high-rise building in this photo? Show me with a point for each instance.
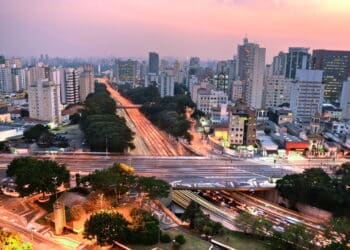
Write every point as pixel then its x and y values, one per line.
pixel 5 79
pixel 125 71
pixel 34 74
pixel 336 68
pixel 237 90
pixel 279 64
pixel 57 75
pixel 277 91
pixel 2 59
pixel 18 79
pixel 166 84
pixel 194 66
pixel 44 101
pixel 14 62
pixel 153 63
pixel 86 84
pixel 208 99
pixel 306 94
pixel 345 99
pixel 242 125
pixel 251 67
pixel 221 83
pixel 297 58
pixel 71 84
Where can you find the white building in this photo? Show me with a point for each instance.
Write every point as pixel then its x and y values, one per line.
pixel 251 70
pixel 306 94
pixel 44 101
pixel 237 90
pixel 166 85
pixel 72 93
pixel 277 91
pixel 207 100
pixel 5 79
pixel 57 76
pixel 345 99
pixel 87 84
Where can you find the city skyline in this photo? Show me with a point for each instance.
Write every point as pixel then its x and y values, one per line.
pixel 210 29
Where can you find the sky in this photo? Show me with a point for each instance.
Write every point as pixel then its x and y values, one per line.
pixel 210 29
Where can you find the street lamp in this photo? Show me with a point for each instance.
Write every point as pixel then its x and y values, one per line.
pixel 54 181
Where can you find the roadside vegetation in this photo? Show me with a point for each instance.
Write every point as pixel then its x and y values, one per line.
pixel 103 129
pixel 12 241
pixel 316 188
pixel 167 113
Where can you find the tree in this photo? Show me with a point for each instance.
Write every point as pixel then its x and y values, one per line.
pixel 341 226
pixel 145 227
pixel 13 241
pixel 32 175
pixel 33 134
pixel 180 239
pixel 192 211
pixel 106 227
pixel 246 221
pixel 155 188
pixel 297 235
pixel 75 118
pixel 335 246
pixel 165 238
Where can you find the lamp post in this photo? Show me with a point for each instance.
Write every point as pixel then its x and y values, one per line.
pixel 54 181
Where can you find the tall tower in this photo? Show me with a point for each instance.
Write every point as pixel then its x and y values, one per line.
pixel 72 93
pixel 251 69
pixel 153 63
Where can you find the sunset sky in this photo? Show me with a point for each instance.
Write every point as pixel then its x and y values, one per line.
pixel 210 29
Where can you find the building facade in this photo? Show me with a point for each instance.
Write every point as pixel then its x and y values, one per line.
pixel 345 99
pixel 242 126
pixel 44 101
pixel 336 68
pixel 277 91
pixel 166 87
pixel 306 94
pixel 251 69
pixel 153 63
pixel 86 84
pixel 71 87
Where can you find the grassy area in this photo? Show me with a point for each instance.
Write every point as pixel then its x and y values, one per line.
pixel 192 243
pixel 241 241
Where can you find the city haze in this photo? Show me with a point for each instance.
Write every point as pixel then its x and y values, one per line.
pixel 206 28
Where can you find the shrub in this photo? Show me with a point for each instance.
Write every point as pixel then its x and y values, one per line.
pixel 165 238
pixel 180 239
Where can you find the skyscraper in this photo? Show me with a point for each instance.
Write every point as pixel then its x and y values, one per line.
pixel 277 91
pixel 166 84
pixel 5 79
pixel 297 58
pixel 72 93
pixel 153 63
pixel 125 71
pixel 336 68
pixel 345 99
pixel 306 94
pixel 44 101
pixel 57 75
pixel 251 67
pixel 86 84
pixel 221 83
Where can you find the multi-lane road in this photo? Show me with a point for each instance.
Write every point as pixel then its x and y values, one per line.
pixel 182 171
pixel 156 142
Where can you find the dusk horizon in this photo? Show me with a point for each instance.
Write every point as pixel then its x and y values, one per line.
pixel 208 29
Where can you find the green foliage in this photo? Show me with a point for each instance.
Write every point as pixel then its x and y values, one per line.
pixel 145 227
pixel 111 180
pixel 32 175
pixel 75 118
pixel 167 113
pixel 341 226
pixel 335 246
pixel 155 188
pixel 13 241
pixel 3 146
pixel 34 133
pixel 180 239
pixel 102 127
pixel 199 221
pixel 107 227
pixel 165 238
pixel 298 236
pixel 316 188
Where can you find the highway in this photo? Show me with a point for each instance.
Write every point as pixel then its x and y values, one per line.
pixel 157 143
pixel 182 171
